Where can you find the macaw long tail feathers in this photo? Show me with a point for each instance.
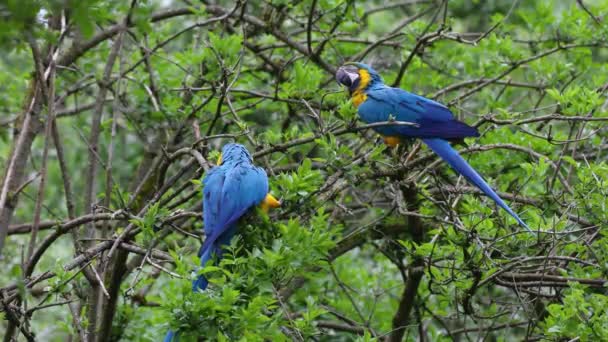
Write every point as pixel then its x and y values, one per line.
pixel 169 337
pixel 200 283
pixel 451 156
pixel 205 255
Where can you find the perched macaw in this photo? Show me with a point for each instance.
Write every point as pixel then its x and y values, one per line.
pixel 229 191
pixel 435 124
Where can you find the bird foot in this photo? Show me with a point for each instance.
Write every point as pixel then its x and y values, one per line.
pixel 392 141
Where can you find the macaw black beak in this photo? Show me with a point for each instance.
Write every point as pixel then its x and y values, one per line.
pixel 347 76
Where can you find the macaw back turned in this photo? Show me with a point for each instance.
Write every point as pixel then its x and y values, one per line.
pixel 229 191
pixel 436 125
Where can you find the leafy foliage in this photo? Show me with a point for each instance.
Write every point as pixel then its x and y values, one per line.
pixel 370 243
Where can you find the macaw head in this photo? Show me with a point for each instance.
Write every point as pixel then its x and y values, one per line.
pixel 357 76
pixel 234 152
pixel 238 153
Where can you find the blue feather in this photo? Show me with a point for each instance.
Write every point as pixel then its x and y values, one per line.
pixel 451 156
pixel 201 282
pixel 434 120
pixel 169 337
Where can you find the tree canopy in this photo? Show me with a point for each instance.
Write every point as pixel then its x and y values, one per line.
pixel 112 112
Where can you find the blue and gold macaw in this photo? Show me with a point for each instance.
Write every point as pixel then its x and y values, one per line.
pixel 435 124
pixel 229 191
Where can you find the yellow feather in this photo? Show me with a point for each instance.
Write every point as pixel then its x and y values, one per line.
pixel 359 99
pixel 358 95
pixel 364 79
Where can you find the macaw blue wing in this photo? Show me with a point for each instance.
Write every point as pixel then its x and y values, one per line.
pixel 213 183
pixel 244 186
pixel 434 119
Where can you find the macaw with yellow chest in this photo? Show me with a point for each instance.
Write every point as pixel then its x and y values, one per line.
pixel 435 124
pixel 230 190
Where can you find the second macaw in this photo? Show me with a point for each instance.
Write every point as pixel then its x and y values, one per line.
pixel 435 124
pixel 229 191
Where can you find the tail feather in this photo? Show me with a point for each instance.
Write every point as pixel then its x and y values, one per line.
pixel 205 255
pixel 451 156
pixel 210 248
pixel 169 337
pixel 199 284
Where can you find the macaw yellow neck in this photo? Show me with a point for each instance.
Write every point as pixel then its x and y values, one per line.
pixel 358 96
